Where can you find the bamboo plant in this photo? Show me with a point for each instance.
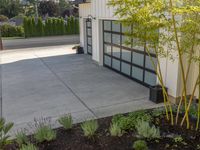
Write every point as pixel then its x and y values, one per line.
pixel 169 29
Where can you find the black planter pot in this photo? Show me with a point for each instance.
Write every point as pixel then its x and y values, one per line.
pixel 79 50
pixel 156 94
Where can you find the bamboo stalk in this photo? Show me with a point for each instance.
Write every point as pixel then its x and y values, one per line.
pixel 180 60
pixel 198 119
pixel 190 102
pixel 187 75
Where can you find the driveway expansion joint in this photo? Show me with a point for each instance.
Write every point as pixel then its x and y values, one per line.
pixel 67 86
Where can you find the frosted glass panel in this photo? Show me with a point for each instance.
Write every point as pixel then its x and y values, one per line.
pixel 89 24
pixel 116 64
pixel 107 25
pixel 126 41
pixel 89 32
pixel 89 40
pixel 107 60
pixel 149 64
pixel 126 68
pixel 138 59
pixel 150 78
pixel 107 37
pixel 126 29
pixel 126 55
pixel 138 45
pixel 116 26
pixel 89 49
pixel 107 49
pixel 116 52
pixel 116 39
pixel 137 73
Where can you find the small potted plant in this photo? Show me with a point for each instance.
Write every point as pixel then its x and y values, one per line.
pixel 156 94
pixel 79 49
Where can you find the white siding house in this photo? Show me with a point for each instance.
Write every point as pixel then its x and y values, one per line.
pixel 103 38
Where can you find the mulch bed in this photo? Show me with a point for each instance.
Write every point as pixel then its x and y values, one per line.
pixel 75 140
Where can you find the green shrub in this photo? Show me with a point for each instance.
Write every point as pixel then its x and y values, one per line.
pixel 128 122
pixel 4 129
pixel 144 130
pixel 140 145
pixel 3 18
pixel 115 130
pixel 45 133
pixel 28 147
pixel 21 138
pixel 40 27
pixel 8 30
pixel 89 128
pixel 66 121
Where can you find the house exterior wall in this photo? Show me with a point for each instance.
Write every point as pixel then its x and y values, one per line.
pixel 100 10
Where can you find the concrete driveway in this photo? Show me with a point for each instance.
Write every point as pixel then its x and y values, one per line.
pixel 52 81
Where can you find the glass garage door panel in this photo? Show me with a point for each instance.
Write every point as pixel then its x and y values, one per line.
pixel 89 40
pixel 116 64
pixel 125 41
pixel 137 73
pixel 89 49
pixel 116 52
pixel 138 59
pixel 126 55
pixel 126 68
pixel 150 78
pixel 116 38
pixel 107 37
pixel 148 63
pixel 107 49
pixel 89 31
pixel 107 25
pixel 107 60
pixel 116 26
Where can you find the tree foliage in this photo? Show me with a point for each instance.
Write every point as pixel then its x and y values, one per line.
pixel 10 8
pixel 170 29
pixel 48 8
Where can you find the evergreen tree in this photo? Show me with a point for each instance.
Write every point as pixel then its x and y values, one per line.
pixel 72 31
pixel 40 27
pixel 62 26
pixel 33 32
pixel 25 25
pixel 76 26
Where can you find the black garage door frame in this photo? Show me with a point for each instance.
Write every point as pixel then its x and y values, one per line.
pixel 89 35
pixel 121 46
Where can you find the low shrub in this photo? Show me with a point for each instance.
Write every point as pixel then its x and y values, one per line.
pixel 21 138
pixel 29 147
pixel 66 121
pixel 3 18
pixel 144 130
pixel 45 133
pixel 4 129
pixel 115 130
pixel 140 145
pixel 89 128
pixel 128 122
pixel 8 30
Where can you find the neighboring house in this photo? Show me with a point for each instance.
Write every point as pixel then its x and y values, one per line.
pixel 103 38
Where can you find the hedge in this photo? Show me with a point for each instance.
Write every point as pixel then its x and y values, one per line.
pixel 8 30
pixel 51 27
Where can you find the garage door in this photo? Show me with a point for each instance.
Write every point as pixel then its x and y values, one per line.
pixel 89 36
pixel 131 61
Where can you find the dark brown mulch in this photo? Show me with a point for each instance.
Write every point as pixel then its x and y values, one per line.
pixel 75 140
